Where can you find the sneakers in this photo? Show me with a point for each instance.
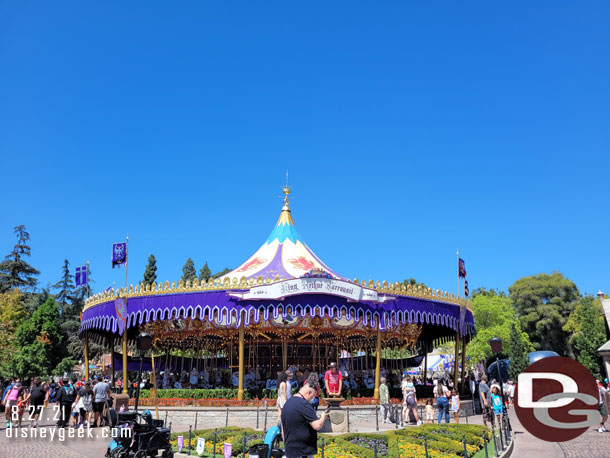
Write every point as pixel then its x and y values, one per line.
pixel 600 430
pixel 419 423
pixel 603 428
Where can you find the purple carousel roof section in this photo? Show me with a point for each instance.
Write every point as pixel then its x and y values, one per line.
pixel 402 309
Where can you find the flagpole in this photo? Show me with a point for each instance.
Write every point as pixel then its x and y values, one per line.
pixel 125 378
pixel 87 282
pixel 126 261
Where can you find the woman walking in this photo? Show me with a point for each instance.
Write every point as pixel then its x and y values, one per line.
pixel 37 397
pixel 441 394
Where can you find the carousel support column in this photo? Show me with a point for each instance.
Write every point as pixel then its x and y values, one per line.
pixel 284 353
pixel 240 383
pixel 86 355
pixel 377 362
pixel 125 379
pixel 425 376
pixel 456 360
pixel 112 360
pixel 463 373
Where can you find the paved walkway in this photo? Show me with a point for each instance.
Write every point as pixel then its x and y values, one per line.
pixel 592 444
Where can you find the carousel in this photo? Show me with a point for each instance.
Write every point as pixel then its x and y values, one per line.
pixel 283 307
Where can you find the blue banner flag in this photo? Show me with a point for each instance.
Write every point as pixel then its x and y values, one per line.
pixel 119 254
pixel 81 276
pixel 466 290
pixel 461 268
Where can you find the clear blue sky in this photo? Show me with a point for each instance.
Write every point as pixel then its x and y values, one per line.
pixel 409 130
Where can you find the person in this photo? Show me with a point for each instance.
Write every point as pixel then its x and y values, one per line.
pixel 289 376
pixel 84 403
pixel 101 393
pixel 409 398
pixel 281 394
pixel 10 398
pixel 496 401
pixel 65 398
pixel 603 410
pixel 511 393
pixel 300 422
pixel 485 396
pixel 21 403
pixel 37 397
pixel 429 412
pixel 441 393
pixel 384 400
pixel 333 381
pixel 455 405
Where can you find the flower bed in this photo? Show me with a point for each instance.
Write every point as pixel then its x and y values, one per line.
pixel 443 441
pixel 185 402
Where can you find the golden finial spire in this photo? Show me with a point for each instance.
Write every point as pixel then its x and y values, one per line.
pixel 286 191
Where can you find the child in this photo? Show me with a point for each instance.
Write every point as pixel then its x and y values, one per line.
pixel 429 412
pixel 496 402
pixel 455 405
pixel 20 407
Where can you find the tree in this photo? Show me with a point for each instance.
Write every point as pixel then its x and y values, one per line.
pixel 588 333
pixel 412 282
pixel 543 303
pixel 518 351
pixel 15 272
pixel 205 273
pixel 12 314
pixel 493 316
pixel 150 273
pixel 65 287
pixel 224 271
pixel 189 273
pixel 41 344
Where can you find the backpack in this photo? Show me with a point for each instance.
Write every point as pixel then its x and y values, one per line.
pixel 69 390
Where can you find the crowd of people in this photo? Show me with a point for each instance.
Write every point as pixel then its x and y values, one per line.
pixel 80 402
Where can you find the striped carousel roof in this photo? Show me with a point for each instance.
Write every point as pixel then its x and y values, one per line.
pixel 284 254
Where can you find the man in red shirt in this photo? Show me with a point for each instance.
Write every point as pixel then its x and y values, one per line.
pixel 333 381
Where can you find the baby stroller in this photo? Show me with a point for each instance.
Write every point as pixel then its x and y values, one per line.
pixel 146 438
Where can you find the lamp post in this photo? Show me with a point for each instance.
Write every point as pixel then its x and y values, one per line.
pixel 496 348
pixel 143 342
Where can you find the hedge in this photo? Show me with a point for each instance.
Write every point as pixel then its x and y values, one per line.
pixel 221 393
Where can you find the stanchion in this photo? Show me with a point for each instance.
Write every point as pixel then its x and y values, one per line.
pixel 170 426
pixel 485 445
pixel 375 450
pixel 214 444
pixel 322 448
pixel 227 418
pixel 501 438
pixel 195 420
pixel 190 435
pixel 464 443
pixel 257 409
pixel 347 419
pixel 266 411
pixel 377 418
pixel 165 422
pixel 396 420
pixel 426 446
pixel 243 447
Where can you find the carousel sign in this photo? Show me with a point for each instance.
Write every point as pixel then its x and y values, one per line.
pixel 278 291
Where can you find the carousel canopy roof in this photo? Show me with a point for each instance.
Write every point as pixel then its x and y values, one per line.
pixel 284 254
pixel 283 278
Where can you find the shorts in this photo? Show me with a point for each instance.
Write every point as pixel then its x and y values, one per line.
pixel 411 402
pixel 603 409
pixel 37 409
pixel 98 406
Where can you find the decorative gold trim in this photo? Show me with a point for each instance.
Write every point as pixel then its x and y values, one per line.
pixel 157 289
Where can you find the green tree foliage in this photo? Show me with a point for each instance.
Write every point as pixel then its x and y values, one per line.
pixel 493 316
pixel 543 304
pixel 41 344
pixel 412 282
pixel 518 350
pixel 12 315
pixel 150 273
pixel 224 271
pixel 189 273
pixel 15 272
pixel 65 287
pixel 588 333
pixel 205 273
